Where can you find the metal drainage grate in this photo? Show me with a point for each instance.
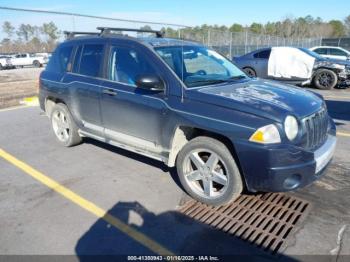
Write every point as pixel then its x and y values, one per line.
pixel 263 220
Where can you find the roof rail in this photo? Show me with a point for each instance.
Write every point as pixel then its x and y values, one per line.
pixel 107 30
pixel 72 34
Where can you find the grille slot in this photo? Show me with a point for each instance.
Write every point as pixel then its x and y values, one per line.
pixel 316 127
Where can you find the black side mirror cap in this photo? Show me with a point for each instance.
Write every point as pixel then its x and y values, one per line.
pixel 150 82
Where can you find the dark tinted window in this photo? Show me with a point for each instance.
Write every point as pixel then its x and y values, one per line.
pixel 60 59
pixel 337 52
pixel 321 51
pixel 265 54
pixel 91 60
pixel 77 58
pixel 126 64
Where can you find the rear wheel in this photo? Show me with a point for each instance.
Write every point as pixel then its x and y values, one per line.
pixel 325 79
pixel 36 63
pixel 1 68
pixel 208 172
pixel 64 127
pixel 249 71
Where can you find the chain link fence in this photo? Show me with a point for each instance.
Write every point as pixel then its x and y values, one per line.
pixel 235 44
pixel 227 43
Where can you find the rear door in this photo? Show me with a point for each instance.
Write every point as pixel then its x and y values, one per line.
pixel 132 115
pixel 83 81
pixel 261 62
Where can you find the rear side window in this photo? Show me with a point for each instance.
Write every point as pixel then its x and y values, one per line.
pixel 91 60
pixel 333 51
pixel 263 54
pixel 77 58
pixel 60 59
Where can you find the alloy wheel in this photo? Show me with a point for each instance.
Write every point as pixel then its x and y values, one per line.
pixel 60 125
pixel 205 173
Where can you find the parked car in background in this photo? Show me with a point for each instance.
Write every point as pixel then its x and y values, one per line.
pixel 5 62
pixel 186 105
pixel 27 59
pixel 332 52
pixel 296 66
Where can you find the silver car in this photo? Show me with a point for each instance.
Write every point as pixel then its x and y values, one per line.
pixel 326 73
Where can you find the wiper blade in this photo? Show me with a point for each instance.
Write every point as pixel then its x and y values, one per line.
pixel 237 77
pixel 209 81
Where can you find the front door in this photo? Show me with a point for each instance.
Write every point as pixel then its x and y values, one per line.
pixel 131 115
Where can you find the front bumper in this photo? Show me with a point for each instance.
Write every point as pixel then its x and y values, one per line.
pixel 283 167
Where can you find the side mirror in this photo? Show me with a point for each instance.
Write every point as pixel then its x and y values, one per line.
pixel 150 82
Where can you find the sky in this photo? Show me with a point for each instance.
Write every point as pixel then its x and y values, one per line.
pixel 190 12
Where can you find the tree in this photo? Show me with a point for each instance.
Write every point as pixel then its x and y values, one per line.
pixel 26 32
pixel 8 29
pixel 347 25
pixel 337 27
pixel 236 28
pixel 256 28
pixel 51 31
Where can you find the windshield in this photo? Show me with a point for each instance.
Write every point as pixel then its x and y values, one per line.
pixel 311 53
pixel 198 65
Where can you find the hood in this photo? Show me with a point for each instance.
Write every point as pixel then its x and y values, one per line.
pixel 269 99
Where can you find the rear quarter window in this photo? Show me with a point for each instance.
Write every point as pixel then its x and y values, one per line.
pixel 59 61
pixel 265 54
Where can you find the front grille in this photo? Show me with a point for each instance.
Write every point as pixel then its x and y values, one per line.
pixel 316 127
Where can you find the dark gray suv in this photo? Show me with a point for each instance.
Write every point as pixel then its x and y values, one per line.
pixel 186 105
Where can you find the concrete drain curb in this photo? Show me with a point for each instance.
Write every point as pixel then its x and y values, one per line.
pixel 30 101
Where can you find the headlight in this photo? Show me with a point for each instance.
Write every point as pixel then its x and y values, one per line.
pixel 291 127
pixel 266 135
pixel 337 66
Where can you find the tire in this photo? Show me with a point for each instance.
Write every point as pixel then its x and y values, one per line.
pixel 215 183
pixel 1 67
pixel 36 63
pixel 63 126
pixel 325 79
pixel 249 71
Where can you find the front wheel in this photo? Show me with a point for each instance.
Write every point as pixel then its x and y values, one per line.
pixel 325 79
pixel 249 72
pixel 64 127
pixel 208 172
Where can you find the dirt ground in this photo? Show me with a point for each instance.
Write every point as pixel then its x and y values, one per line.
pixel 16 84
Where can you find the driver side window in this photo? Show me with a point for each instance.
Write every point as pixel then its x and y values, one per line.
pixel 127 64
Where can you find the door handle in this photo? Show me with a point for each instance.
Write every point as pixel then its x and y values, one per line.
pixel 109 92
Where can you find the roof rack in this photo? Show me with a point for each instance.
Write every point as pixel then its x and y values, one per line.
pixel 72 34
pixel 107 30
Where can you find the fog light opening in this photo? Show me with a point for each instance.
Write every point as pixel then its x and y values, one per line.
pixel 292 181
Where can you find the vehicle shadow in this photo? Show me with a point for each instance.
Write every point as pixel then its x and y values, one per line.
pixel 339 110
pixel 176 232
pixel 137 157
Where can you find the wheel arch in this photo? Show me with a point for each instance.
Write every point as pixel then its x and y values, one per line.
pixel 50 102
pixel 184 134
